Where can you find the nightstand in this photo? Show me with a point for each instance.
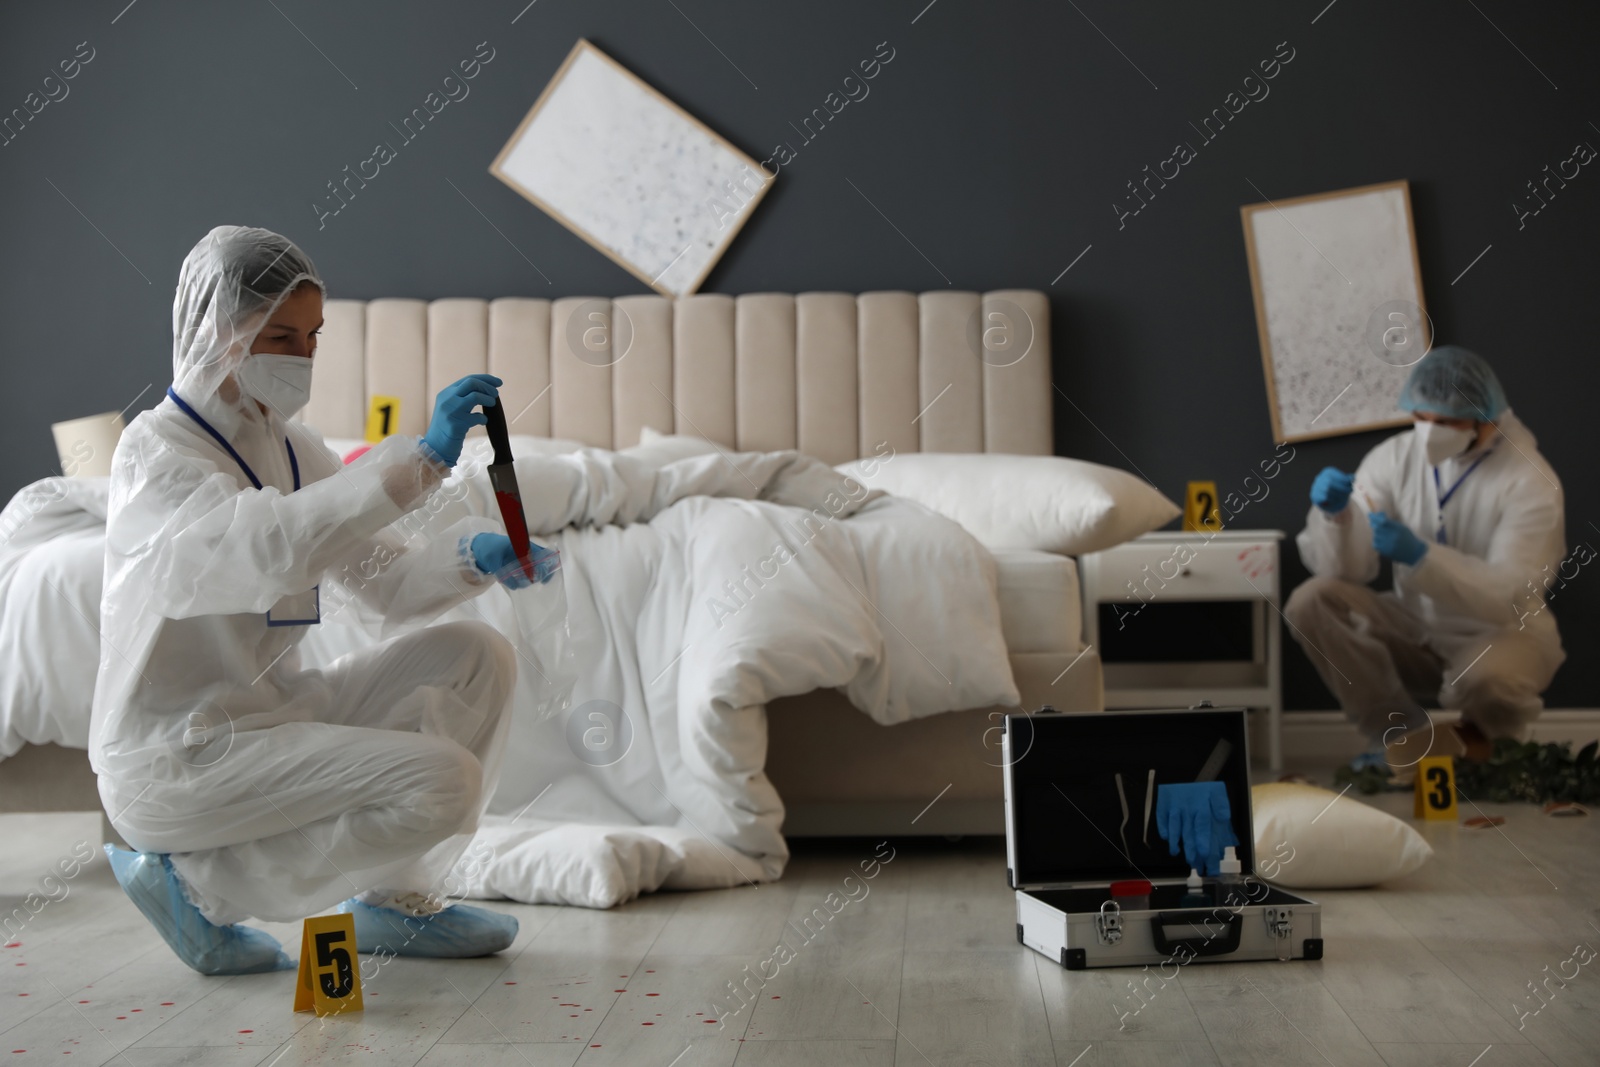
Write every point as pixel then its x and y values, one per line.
pixel 1182 617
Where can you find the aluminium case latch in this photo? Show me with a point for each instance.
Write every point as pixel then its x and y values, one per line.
pixel 1108 924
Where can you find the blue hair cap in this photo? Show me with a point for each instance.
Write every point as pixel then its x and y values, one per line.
pixel 1456 383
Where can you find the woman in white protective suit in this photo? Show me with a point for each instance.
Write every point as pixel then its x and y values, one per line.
pixel 253 787
pixel 1473 519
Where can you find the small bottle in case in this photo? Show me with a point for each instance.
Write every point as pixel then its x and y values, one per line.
pixel 1229 868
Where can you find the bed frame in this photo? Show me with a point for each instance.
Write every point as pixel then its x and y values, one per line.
pixel 835 375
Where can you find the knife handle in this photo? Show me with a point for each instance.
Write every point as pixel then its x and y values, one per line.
pixel 499 436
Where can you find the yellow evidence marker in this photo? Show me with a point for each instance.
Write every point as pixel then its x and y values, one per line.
pixel 1200 512
pixel 1436 789
pixel 383 418
pixel 329 981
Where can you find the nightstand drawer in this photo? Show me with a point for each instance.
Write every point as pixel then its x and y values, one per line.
pixel 1186 570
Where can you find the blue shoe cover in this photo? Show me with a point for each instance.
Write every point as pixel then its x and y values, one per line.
pixel 457 932
pixel 1376 757
pixel 153 886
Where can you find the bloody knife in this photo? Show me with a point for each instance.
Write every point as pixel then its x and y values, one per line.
pixel 503 477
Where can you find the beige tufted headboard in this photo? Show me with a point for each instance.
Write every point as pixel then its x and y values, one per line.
pixel 831 374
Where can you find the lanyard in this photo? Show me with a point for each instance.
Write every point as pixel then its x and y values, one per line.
pixel 1444 495
pixel 294 464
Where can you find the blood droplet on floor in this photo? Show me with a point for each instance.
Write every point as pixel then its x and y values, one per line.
pixel 647 1024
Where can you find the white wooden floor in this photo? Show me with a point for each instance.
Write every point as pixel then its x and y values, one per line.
pixel 924 970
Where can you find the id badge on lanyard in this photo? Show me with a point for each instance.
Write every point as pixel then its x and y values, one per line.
pixel 1443 495
pixel 296 609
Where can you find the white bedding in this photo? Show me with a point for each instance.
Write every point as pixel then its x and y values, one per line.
pixel 892 603
pixel 52 567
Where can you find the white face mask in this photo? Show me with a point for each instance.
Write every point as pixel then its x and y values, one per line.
pixel 283 383
pixel 1440 442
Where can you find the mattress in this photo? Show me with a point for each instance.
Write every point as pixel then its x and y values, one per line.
pixel 1041 605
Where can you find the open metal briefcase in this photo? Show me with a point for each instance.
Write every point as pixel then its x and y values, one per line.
pixel 1081 792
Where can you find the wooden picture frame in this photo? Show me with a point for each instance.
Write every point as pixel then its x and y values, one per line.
pixel 1339 307
pixel 612 159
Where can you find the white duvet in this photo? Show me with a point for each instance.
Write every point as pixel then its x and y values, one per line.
pixel 698 592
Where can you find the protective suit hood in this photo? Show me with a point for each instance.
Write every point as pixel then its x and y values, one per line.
pixel 229 286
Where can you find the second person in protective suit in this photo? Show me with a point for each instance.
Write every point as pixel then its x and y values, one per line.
pixel 1471 516
pixel 250 786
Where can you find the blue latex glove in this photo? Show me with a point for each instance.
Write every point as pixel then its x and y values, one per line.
pixel 1330 489
pixel 494 555
pixel 1394 540
pixel 454 413
pixel 1195 816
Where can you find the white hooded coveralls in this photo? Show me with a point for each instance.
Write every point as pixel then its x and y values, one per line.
pixel 1468 623
pixel 281 791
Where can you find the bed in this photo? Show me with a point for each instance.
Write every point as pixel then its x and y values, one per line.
pixel 832 375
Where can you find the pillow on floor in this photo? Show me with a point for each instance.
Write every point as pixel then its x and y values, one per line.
pixel 1340 845
pixel 1043 503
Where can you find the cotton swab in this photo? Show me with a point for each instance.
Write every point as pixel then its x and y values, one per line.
pixel 1149 797
pixel 1122 831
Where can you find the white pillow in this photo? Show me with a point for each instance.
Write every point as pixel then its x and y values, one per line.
pixel 343 446
pixel 477 446
pixel 1310 838
pixel 1043 503
pixel 657 449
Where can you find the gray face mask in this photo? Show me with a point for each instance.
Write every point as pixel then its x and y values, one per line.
pixel 282 383
pixel 1440 442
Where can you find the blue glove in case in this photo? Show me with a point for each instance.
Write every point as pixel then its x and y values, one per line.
pixel 1071 832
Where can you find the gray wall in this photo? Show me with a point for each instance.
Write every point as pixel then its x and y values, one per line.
pixel 997 140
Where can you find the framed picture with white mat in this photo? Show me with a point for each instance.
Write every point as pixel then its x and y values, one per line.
pixel 1339 307
pixel 632 173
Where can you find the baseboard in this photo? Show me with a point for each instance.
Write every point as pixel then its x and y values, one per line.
pixel 1327 736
